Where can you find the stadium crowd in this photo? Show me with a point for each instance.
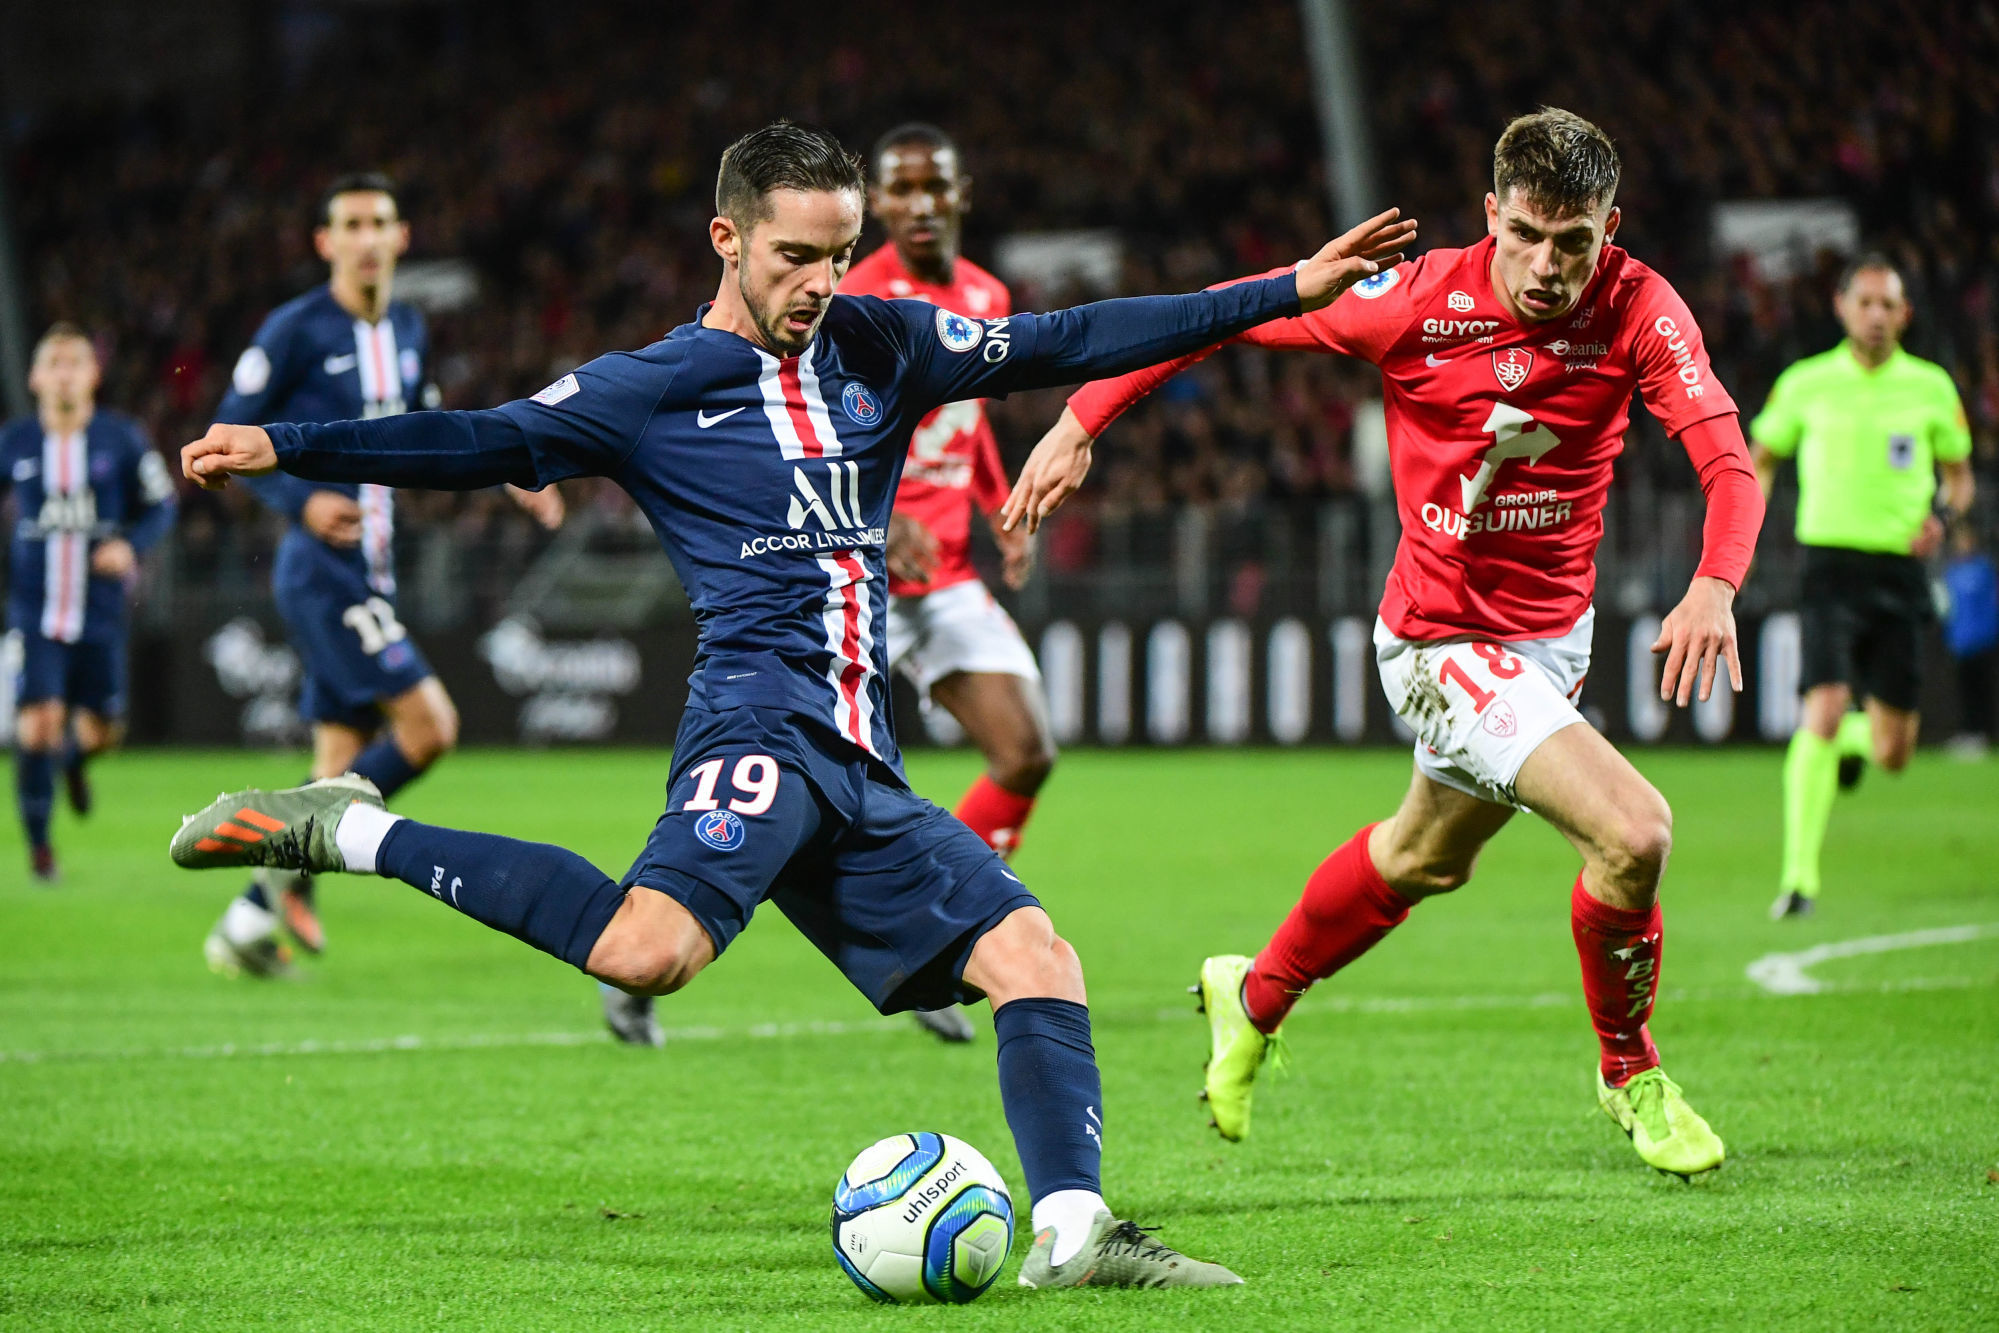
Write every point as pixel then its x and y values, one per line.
pixel 566 154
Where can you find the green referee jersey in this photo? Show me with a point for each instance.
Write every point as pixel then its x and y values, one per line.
pixel 1867 444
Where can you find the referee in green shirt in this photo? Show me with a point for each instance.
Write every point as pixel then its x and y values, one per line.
pixel 1871 427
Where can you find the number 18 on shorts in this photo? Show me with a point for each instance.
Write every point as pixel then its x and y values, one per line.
pixel 1480 708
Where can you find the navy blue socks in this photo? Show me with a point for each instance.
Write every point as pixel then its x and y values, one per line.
pixel 1052 1093
pixel 540 894
pixel 35 787
pixel 383 764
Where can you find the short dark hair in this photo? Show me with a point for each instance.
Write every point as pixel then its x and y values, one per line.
pixel 781 156
pixel 62 330
pixel 1868 261
pixel 1558 160
pixel 913 132
pixel 354 182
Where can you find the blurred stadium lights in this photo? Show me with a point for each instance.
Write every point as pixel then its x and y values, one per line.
pixel 1343 119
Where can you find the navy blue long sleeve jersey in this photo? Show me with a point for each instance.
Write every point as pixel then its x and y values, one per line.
pixel 769 480
pixel 313 361
pixel 74 490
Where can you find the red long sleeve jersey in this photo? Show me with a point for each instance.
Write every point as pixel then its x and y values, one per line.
pixel 954 463
pixel 1501 435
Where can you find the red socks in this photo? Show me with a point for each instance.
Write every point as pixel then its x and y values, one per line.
pixel 1345 910
pixel 1620 951
pixel 995 814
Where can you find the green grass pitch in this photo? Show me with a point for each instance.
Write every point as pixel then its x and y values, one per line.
pixel 429 1130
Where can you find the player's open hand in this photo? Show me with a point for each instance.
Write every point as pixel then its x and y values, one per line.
pixel 1054 471
pixel 912 549
pixel 545 506
pixel 1374 245
pixel 225 452
pixel 1697 635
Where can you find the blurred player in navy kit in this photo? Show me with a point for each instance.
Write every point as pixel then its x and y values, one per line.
pixel 91 496
pixel 343 351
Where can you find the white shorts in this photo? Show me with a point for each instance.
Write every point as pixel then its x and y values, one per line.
pixel 1480 708
pixel 956 628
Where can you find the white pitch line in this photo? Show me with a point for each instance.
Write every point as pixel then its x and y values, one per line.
pixel 1789 973
pixel 1326 1004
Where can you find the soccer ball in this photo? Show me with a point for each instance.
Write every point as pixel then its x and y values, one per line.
pixel 921 1218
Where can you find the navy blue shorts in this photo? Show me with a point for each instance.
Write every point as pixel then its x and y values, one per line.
pixel 88 675
pixel 354 652
pixel 764 804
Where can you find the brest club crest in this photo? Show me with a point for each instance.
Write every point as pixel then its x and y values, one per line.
pixel 1511 366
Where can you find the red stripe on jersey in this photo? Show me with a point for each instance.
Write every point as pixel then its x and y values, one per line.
pixel 794 406
pixel 853 676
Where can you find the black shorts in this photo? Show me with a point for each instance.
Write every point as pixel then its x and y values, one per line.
pixel 1864 618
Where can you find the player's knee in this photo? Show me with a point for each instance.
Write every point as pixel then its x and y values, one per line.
pixel 38 728
pixel 1638 847
pixel 644 962
pixel 1022 766
pixel 430 733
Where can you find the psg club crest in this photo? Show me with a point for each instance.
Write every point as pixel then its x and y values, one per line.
pixel 720 829
pixel 1511 366
pixel 861 404
pixel 957 333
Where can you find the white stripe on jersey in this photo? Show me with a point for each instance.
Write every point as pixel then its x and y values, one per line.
pixel 815 405
pixel 775 411
pixel 849 621
pixel 375 357
pixel 66 572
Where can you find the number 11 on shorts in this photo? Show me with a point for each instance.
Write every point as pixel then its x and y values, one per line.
pixel 1502 664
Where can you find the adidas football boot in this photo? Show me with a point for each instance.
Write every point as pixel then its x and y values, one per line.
pixel 1119 1254
pixel 290 829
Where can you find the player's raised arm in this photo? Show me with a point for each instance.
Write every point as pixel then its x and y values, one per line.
pixel 584 424
pixel 1061 461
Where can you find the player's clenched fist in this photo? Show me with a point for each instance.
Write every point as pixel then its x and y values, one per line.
pixel 1374 245
pixel 225 452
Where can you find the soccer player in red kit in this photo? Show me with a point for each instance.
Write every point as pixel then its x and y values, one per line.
pixel 1508 370
pixel 946 634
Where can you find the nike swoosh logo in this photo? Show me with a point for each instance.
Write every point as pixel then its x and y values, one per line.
pixel 1010 875
pixel 704 421
pixel 339 365
pixel 1432 361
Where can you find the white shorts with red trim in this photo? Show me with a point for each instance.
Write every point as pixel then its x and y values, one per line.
pixel 957 628
pixel 1479 708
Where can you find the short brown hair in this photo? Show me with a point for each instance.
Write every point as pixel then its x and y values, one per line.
pixel 64 331
pixel 1558 160
pixel 781 156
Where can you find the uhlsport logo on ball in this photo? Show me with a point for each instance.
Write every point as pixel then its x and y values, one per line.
pixel 920 1218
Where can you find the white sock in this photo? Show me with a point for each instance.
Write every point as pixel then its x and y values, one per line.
pixel 359 835
pixel 1070 1212
pixel 244 923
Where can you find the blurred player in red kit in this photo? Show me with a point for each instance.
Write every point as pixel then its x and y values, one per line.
pixel 1508 369
pixel 947 635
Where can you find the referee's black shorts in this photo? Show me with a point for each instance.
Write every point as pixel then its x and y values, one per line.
pixel 1864 618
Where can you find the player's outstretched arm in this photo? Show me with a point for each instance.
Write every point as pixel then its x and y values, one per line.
pixel 447 451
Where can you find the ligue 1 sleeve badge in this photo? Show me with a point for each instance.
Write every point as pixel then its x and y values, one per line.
pixel 957 333
pixel 1511 366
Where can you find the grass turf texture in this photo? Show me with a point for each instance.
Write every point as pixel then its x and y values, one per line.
pixel 1434 1160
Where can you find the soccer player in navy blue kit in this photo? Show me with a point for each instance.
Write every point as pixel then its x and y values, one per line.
pixel 764 442
pixel 341 351
pixel 90 496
